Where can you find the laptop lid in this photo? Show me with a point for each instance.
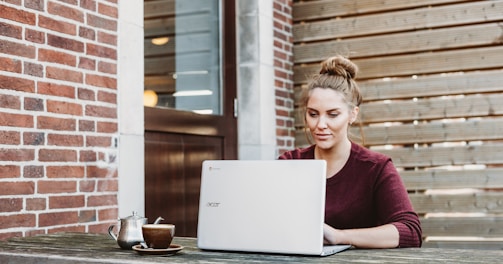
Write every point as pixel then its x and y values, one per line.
pixel 270 206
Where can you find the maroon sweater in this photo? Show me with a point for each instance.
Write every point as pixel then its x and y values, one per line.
pixel 367 192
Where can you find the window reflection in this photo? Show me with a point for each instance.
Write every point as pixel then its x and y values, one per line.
pixel 182 55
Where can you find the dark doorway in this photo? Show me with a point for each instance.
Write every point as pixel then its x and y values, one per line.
pixel 178 140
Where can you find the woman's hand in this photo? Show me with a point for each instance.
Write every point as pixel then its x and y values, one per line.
pixel 385 236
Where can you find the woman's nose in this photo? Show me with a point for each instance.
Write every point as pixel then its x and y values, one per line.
pixel 322 123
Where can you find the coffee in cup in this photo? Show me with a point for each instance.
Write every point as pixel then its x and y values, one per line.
pixel 158 236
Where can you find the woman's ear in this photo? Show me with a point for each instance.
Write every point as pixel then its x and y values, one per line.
pixel 354 114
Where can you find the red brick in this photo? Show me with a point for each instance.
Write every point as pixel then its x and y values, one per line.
pixel 87 156
pixel 65 140
pixel 33 104
pixel 86 125
pixel 108 214
pixel 34 36
pixel 87 33
pixel 67 108
pixel 57 57
pixel 17 188
pixel 7 235
pixel 33 69
pixel 34 4
pixel 107 97
pixel 17 84
pixel 107 67
pixel 34 232
pixel 100 228
pixel 101 111
pixel 58 218
pixel 57 155
pixel 17 220
pixel 102 200
pixel 65 43
pixel 101 22
pixel 87 186
pixel 10 137
pixel 98 141
pixel 67 201
pixel 36 204
pixel 65 11
pixel 87 63
pixel 45 122
pixel 17 49
pixel 56 89
pixel 14 2
pixel 33 171
pixel 73 229
pixel 107 127
pixel 88 4
pixel 100 172
pixel 87 216
pixel 16 120
pixel 56 186
pixel 17 154
pixel 10 171
pixel 86 94
pixel 20 16
pixel 101 51
pixel 107 10
pixel 9 101
pixel 10 65
pixel 33 138
pixel 107 38
pixel 11 204
pixel 65 172
pixel 10 30
pixel 58 26
pixel 64 74
pixel 108 185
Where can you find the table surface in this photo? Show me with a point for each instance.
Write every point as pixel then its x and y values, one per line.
pixel 100 248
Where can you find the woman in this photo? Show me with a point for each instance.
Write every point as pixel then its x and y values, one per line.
pixel 367 204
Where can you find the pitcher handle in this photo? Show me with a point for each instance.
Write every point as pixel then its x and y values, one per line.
pixel 110 232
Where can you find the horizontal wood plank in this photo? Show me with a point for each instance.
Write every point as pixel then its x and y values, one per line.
pixel 488 178
pixel 484 202
pixel 488 226
pixel 434 132
pixel 445 156
pixel 309 10
pixel 427 86
pixel 423 63
pixel 415 19
pixel 469 106
pixel 408 42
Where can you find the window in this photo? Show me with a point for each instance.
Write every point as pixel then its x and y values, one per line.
pixel 183 55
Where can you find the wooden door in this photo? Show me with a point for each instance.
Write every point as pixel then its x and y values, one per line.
pixel 176 143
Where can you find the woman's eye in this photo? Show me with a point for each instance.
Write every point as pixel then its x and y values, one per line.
pixel 333 114
pixel 312 114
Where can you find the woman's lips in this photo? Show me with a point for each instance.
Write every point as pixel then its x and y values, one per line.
pixel 323 136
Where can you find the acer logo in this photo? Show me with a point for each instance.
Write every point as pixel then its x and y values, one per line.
pixel 212 204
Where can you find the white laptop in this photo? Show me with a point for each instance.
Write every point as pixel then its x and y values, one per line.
pixel 268 206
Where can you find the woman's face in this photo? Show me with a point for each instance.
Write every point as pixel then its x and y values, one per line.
pixel 328 117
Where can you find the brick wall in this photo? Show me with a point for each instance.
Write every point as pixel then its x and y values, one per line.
pixel 58 116
pixel 283 74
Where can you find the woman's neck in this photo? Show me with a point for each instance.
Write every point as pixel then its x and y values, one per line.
pixel 336 157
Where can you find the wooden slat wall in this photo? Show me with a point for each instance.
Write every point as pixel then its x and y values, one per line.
pixel 432 76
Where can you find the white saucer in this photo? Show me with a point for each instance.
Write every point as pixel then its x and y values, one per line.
pixel 173 249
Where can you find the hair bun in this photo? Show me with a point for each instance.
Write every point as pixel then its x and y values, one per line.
pixel 338 65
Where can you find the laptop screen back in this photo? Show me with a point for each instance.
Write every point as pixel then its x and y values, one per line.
pixel 272 206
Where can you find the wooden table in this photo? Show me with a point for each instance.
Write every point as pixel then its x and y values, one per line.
pixel 94 248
